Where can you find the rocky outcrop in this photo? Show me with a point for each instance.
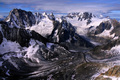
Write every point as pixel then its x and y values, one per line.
pixel 20 18
pixel 103 26
pixel 1 37
pixel 64 33
pixel 99 29
pixel 63 54
pixel 22 36
pixel 82 16
pixel 116 26
pixel 113 72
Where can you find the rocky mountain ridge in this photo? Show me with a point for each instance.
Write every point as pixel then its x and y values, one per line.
pixel 41 46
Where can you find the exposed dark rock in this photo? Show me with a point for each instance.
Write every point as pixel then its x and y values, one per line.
pixel 38 37
pixel 111 44
pixel 54 60
pixel 116 29
pixel 102 27
pixel 86 70
pixel 82 16
pixel 22 36
pixel 83 42
pixel 15 34
pixel 64 34
pixel 87 15
pixel 1 37
pixel 21 18
pixel 113 72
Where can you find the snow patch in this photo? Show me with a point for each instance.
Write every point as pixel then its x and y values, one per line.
pixel 103 70
pixel 15 24
pixel 95 43
pixel 15 18
pixel 8 56
pixel 9 46
pixel 73 77
pixel 82 26
pixel 106 33
pixel 112 77
pixel 32 50
pixel 8 20
pixel 116 49
pixel 49 45
pixel 44 27
pixel 115 38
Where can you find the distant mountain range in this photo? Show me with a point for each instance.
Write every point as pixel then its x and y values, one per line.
pixel 77 46
pixel 2 18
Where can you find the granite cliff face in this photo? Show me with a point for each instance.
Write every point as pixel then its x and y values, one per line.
pixel 79 46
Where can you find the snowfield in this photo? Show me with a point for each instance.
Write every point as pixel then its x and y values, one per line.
pixel 44 27
pixel 82 27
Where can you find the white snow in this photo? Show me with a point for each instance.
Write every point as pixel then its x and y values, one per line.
pixel 115 38
pixel 96 21
pixel 106 33
pixel 59 19
pixel 8 56
pixel 103 70
pixel 15 24
pixel 116 49
pixel 8 20
pixel 112 77
pixel 82 27
pixel 44 27
pixel 49 45
pixel 32 50
pixel 25 23
pixel 15 18
pixel 9 46
pixel 73 77
pixel 95 43
pixel 79 25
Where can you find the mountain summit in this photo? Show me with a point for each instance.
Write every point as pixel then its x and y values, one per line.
pixel 41 46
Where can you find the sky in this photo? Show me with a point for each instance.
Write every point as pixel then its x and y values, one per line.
pixel 107 7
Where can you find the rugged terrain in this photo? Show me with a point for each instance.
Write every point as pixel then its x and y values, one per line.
pixel 41 46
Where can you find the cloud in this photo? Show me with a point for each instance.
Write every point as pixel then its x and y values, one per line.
pixel 63 6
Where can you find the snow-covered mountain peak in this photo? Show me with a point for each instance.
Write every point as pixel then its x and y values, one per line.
pixel 41 46
pixel 82 21
pixel 20 18
pixel 81 15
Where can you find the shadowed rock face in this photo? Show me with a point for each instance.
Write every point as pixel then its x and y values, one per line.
pixel 99 29
pixel 103 26
pixel 1 37
pixel 20 18
pixel 64 34
pixel 116 29
pixel 22 36
pixel 63 55
pixel 62 31
pixel 82 16
pixel 114 25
